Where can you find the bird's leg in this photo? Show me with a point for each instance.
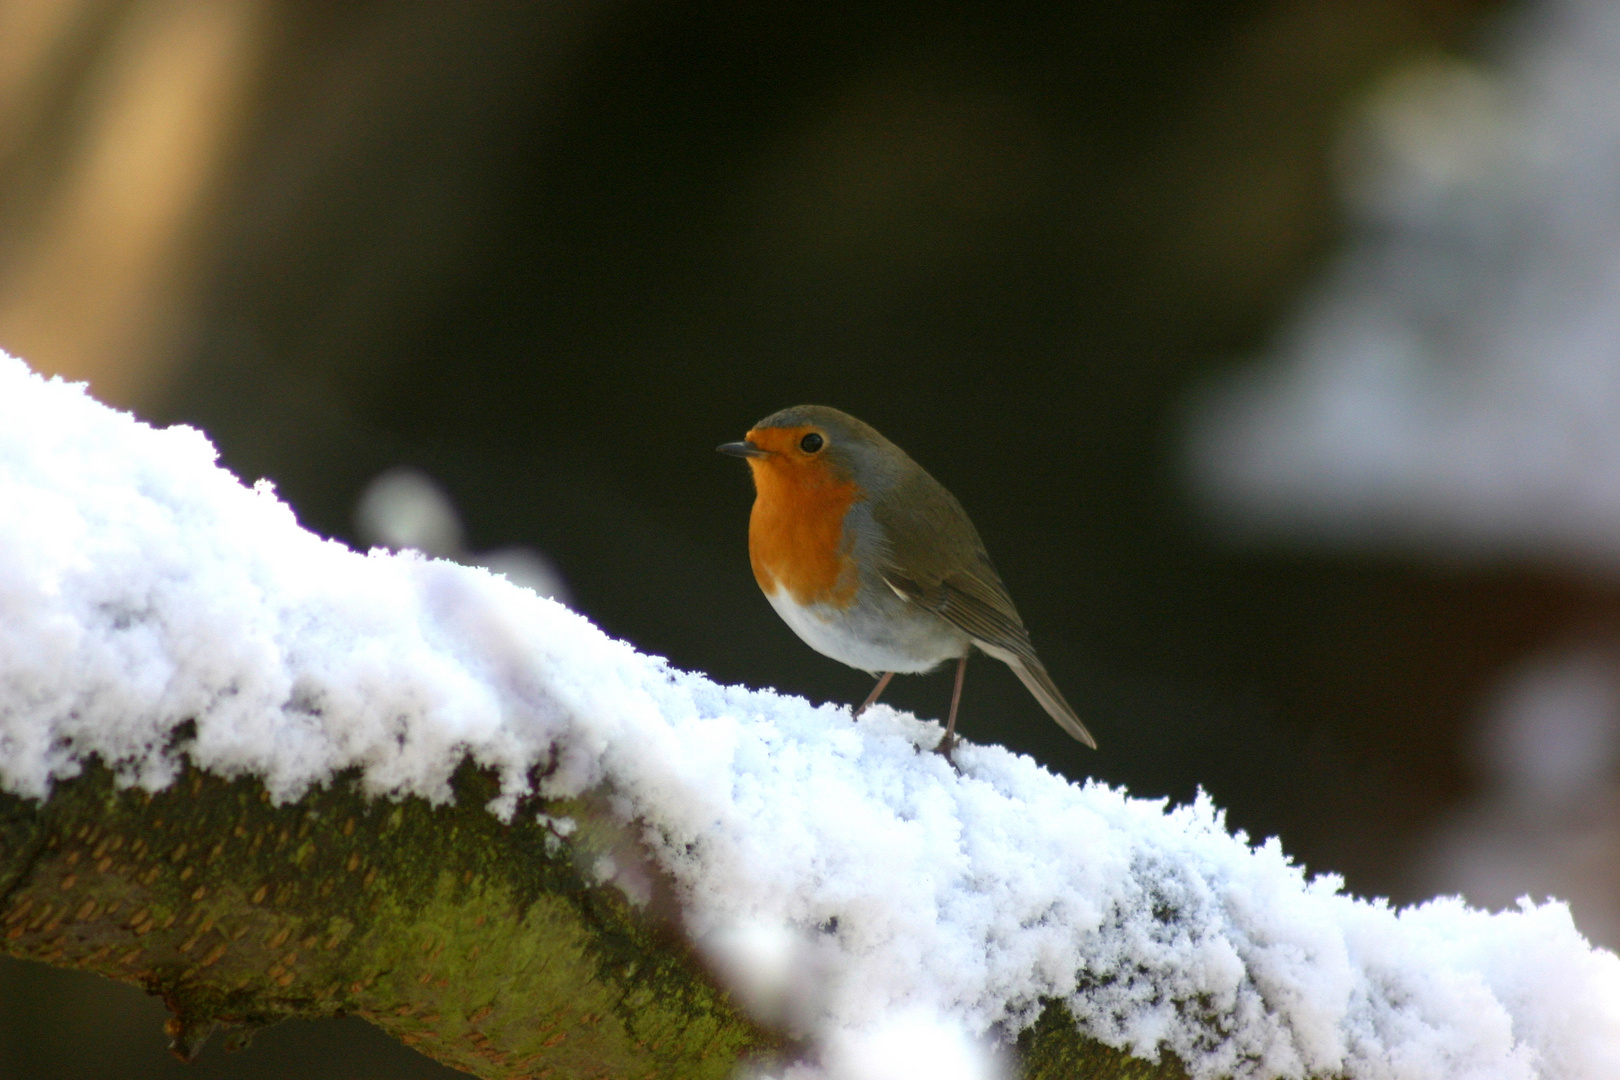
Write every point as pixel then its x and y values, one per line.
pixel 948 743
pixel 871 699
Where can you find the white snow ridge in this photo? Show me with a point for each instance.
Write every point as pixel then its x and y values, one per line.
pixel 904 917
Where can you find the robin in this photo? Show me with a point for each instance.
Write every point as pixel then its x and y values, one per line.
pixel 873 563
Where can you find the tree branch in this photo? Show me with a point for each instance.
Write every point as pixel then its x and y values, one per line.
pixel 484 945
pixel 168 630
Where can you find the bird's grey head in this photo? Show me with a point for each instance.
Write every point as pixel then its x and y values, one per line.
pixel 851 445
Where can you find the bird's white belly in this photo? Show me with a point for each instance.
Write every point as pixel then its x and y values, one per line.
pixel 890 636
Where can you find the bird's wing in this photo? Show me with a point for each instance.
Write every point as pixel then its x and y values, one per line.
pixel 932 556
pixel 975 602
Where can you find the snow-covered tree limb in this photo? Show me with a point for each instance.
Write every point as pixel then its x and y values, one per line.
pixel 267 776
pixel 469 939
pixel 485 945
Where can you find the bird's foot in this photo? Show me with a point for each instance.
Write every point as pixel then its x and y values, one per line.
pixel 945 748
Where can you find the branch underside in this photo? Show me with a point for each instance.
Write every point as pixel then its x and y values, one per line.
pixel 484 945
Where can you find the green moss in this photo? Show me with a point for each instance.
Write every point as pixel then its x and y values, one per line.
pixel 478 942
pixel 489 946
pixel 1053 1049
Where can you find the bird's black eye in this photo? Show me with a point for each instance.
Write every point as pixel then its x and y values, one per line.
pixel 811 443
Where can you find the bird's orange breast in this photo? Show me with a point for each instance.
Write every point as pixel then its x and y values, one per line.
pixel 796 529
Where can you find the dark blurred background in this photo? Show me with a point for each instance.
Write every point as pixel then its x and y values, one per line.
pixel 549 254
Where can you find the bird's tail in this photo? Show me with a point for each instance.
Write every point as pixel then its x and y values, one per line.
pixel 1032 673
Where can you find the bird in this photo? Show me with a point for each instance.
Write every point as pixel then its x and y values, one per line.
pixel 872 562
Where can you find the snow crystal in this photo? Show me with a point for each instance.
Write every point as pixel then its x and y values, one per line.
pixel 905 917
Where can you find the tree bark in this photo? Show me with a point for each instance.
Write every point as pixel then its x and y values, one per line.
pixel 488 946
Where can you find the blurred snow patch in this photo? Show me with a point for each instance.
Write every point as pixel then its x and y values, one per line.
pixel 911 1046
pixel 405 509
pixel 1547 821
pixel 526 568
pixel 774 969
pixel 1552 736
pixel 1454 380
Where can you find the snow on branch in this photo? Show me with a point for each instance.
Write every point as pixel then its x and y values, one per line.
pixel 897 916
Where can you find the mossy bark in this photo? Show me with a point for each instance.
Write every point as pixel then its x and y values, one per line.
pixel 488 946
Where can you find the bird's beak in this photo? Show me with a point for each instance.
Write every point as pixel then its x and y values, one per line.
pixel 742 449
